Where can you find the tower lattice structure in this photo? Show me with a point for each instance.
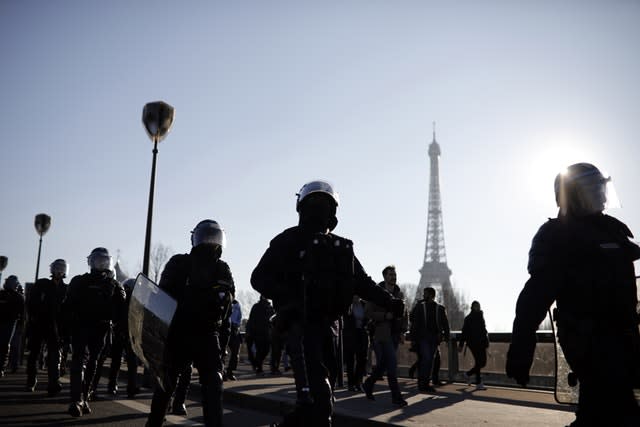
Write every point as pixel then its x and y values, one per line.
pixel 435 272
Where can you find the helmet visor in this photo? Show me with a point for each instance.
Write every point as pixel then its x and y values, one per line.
pixel 583 190
pixel 210 234
pixel 595 192
pixel 100 262
pixel 60 268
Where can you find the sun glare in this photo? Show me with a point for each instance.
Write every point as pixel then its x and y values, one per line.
pixel 547 162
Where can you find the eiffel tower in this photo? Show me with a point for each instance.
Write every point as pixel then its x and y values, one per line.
pixel 434 271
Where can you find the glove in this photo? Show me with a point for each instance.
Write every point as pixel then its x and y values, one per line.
pixel 518 369
pixel 397 307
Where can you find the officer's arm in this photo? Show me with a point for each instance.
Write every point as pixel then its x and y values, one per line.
pixel 269 275
pixel 225 277
pixel 170 279
pixel 535 299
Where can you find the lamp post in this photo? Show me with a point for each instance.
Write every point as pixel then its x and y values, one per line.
pixel 3 264
pixel 157 118
pixel 42 223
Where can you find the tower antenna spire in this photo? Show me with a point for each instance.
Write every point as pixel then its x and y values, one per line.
pixel 434 131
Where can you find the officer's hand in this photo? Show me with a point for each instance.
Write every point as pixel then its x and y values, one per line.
pixel 397 307
pixel 518 370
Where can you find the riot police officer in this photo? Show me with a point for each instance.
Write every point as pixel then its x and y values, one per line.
pixel 311 275
pixel 11 310
pixel 94 300
pixel 44 310
pixel 583 260
pixel 203 286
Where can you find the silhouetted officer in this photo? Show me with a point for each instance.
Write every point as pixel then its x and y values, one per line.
pixel 311 276
pixel 93 301
pixel 583 260
pixel 203 286
pixel 11 310
pixel 44 309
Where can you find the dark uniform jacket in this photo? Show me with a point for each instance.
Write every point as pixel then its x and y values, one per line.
pixel 94 297
pixel 44 304
pixel 315 281
pixel 196 288
pixel 11 305
pixel 585 264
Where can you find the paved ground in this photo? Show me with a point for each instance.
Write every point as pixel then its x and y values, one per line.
pixel 453 404
pixel 258 401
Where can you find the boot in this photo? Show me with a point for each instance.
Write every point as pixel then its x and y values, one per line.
pixel 75 409
pixel 179 408
pixel 112 388
pixel 54 388
pixel 230 375
pixel 424 387
pixel 85 408
pixel 367 387
pixel 31 385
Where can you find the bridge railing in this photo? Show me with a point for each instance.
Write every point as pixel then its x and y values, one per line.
pixel 454 364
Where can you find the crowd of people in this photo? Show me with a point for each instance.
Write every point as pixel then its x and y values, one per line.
pixel 317 302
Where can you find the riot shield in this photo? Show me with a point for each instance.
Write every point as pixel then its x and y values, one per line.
pixel 151 311
pixel 567 387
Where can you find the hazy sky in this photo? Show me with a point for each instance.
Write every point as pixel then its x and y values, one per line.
pixel 270 95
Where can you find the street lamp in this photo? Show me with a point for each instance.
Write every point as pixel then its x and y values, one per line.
pixel 157 118
pixel 42 223
pixel 3 264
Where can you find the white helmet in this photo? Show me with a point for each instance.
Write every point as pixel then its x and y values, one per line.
pixel 100 260
pixel 208 231
pixel 316 187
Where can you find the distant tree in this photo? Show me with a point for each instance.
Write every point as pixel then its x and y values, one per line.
pixel 409 291
pixel 159 256
pixel 454 302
